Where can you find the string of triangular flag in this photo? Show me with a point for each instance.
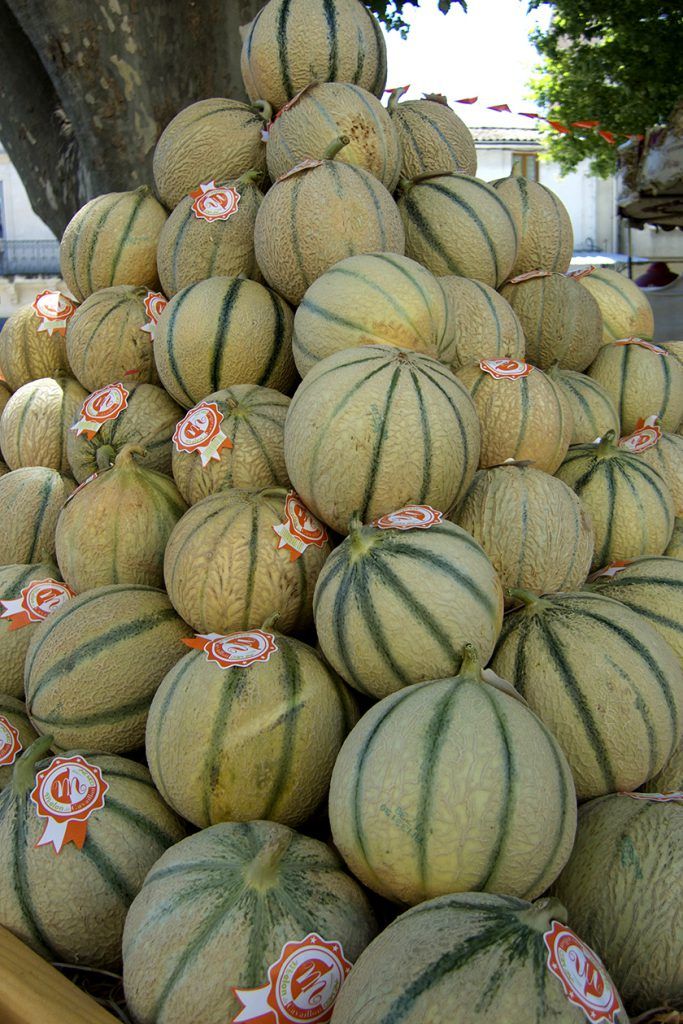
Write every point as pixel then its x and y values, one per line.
pixel 503 108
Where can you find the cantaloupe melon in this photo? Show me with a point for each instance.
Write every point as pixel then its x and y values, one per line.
pixel 94 665
pixel 96 884
pixel 523 414
pixel 307 125
pixel 561 321
pixel 593 409
pixel 232 562
pixel 546 238
pixel 643 379
pixel 216 910
pixel 16 735
pixel 107 340
pixel 481 323
pixel 625 307
pixel 470 959
pixel 457 224
pixel 531 526
pixel 378 298
pixel 665 455
pixel 148 418
pixel 374 428
pixel 670 779
pixel 433 138
pixel 234 438
pixel 401 799
pixel 394 606
pixel 621 888
pixel 221 332
pixel 112 240
pixel 292 43
pixel 226 699
pixel 317 214
pixel 617 712
pixel 675 547
pixel 31 348
pixel 116 528
pixel 31 500
pixel 629 504
pixel 210 233
pixel 14 641
pixel 34 427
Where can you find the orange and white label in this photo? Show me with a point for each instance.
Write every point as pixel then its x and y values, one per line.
pixel 505 369
pixel 200 431
pixel 643 344
pixel 100 407
pixel 412 517
pixel 582 974
pixel 300 529
pixel 610 571
pixel 215 202
pixel 10 744
pixel 35 602
pixel 66 794
pixel 657 798
pixel 236 650
pixel 155 303
pixel 529 276
pixel 303 985
pixel 584 272
pixel 646 435
pixel 306 165
pixel 55 310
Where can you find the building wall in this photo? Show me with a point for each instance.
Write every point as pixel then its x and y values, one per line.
pixel 19 222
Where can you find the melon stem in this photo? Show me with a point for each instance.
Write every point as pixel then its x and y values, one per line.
pixel 539 915
pixel 270 621
pixel 532 602
pixel 262 872
pixel 606 445
pixel 360 542
pixel 106 456
pixel 24 774
pixel 264 109
pixel 395 96
pixel 124 460
pixel 335 147
pixel 250 177
pixel 471 662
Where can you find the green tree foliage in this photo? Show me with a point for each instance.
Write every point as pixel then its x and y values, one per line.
pixel 390 12
pixel 619 62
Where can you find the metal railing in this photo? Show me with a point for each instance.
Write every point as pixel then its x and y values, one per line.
pixel 28 257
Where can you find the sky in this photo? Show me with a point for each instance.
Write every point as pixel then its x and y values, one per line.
pixel 484 53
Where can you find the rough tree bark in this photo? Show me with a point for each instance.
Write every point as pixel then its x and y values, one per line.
pixel 119 70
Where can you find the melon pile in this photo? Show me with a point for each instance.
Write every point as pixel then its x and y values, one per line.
pixel 341 538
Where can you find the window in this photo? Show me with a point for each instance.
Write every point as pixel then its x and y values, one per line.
pixel 525 165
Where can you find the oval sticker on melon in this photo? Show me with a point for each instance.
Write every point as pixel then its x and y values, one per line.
pixel 200 431
pixel 101 407
pixel 10 744
pixel 36 601
pixel 412 517
pixel 155 303
pixel 215 202
pixel 66 793
pixel 646 435
pixel 582 975
pixel 300 528
pixel 54 311
pixel 236 650
pixel 505 369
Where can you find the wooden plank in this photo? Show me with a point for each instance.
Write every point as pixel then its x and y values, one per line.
pixel 34 992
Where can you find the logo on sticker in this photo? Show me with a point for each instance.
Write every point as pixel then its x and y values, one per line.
pixel 300 529
pixel 646 435
pixel 100 407
pixel 10 744
pixel 215 202
pixel 582 974
pixel 643 344
pixel 55 310
pixel 505 369
pixel 302 986
pixel 35 602
pixel 200 431
pixel 66 793
pixel 155 303
pixel 657 798
pixel 237 650
pixel 412 517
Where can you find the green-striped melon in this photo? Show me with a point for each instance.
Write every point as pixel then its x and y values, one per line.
pixel 394 606
pixel 481 324
pixel 319 213
pixel 34 427
pixel 293 43
pixel 602 679
pixel 622 890
pixel 221 332
pixel 226 567
pixel 625 307
pixel 254 425
pixel 113 240
pixel 675 547
pixel 28 353
pixel 94 665
pixel 644 380
pixel 560 319
pixel 652 587
pixel 116 528
pixel 433 138
pixel 374 428
pixel 194 244
pixel 16 735
pixel 629 504
pixel 666 456
pixel 546 238
pixel 14 642
pixel 453 785
pixel 5 393
pixel 148 419
pixel 531 526
pixel 457 224
pixel 523 414
pixel 107 340
pixel 592 407
pixel 307 125
pixel 378 298
pixel 31 500
pixel 466 959
pixel 225 770
pixel 72 907
pixel 216 910
pixel 670 778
